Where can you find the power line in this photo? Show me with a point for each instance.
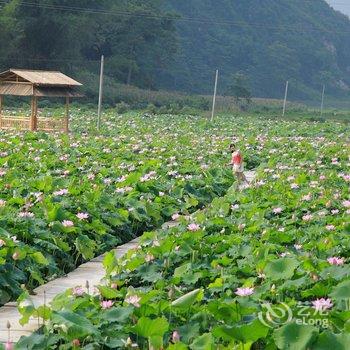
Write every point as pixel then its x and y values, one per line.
pixel 173 18
pixel 21 59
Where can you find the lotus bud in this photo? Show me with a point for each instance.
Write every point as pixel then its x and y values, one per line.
pixel 76 343
pixel 171 293
pixel 314 277
pixel 87 286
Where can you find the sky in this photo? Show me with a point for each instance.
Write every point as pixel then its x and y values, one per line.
pixel 341 5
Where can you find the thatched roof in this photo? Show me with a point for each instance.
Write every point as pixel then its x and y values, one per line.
pixel 38 77
pixel 20 82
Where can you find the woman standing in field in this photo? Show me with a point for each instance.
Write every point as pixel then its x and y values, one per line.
pixel 237 164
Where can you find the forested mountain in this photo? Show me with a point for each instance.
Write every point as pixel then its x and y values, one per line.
pixel 270 41
pixel 178 44
pixel 71 35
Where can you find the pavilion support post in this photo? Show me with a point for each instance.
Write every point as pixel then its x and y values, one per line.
pixel 66 119
pixel 34 115
pixel 1 102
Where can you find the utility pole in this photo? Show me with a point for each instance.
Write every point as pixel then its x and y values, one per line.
pixel 322 101
pixel 100 93
pixel 214 97
pixel 285 99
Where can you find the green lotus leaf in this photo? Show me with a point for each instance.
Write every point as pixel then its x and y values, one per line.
pixel 281 269
pixel 188 299
pixel 295 337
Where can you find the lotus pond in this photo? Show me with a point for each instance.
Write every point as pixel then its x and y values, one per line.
pixel 262 268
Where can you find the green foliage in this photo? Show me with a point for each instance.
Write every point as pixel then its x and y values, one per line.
pixel 295 337
pixel 281 269
pixel 271 41
pixel 135 45
pixel 117 182
pixel 240 91
pixel 251 275
pixel 305 42
pixel 122 107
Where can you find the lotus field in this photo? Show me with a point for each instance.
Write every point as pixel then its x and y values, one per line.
pixel 264 267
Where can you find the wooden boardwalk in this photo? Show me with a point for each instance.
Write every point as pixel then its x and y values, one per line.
pixel 93 272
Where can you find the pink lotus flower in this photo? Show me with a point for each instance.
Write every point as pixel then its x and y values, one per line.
pixel 107 181
pixel 2 243
pixel 78 291
pixel 283 255
pixel 245 291
pixel 294 186
pixel 156 243
pixel 2 203
pixel 175 216
pixel 322 304
pixel 175 337
pixel 26 214
pixel 76 342
pixel 335 260
pixel 107 304
pixel 330 227
pixel 193 227
pixel 149 258
pixel 15 256
pixel 64 157
pixel 133 300
pixel 9 345
pixel 346 204
pixel 307 197
pixel 67 223
pixel 307 217
pixel 277 210
pixel 61 192
pixel 82 216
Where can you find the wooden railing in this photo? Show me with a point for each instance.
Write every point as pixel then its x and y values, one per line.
pixel 17 123
pixel 23 123
pixel 50 124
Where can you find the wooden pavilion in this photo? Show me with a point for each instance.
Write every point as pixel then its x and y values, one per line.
pixel 36 84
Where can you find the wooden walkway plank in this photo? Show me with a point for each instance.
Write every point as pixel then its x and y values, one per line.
pixel 92 271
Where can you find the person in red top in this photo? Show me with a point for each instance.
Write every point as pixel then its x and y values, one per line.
pixel 237 163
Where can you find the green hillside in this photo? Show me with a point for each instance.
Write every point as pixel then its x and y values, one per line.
pixel 270 41
pixel 178 44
